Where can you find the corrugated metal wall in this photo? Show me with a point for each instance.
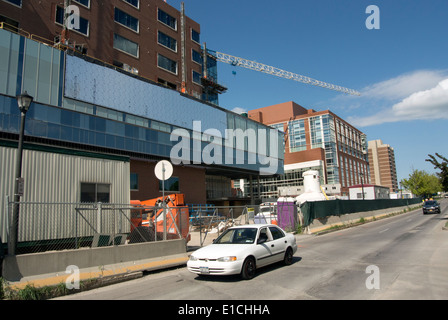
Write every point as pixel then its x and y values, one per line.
pixel 56 177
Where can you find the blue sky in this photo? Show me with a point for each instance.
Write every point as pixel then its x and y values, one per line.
pixel 399 69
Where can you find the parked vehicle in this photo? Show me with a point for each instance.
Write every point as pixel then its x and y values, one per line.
pixel 147 219
pixel 243 249
pixel 431 206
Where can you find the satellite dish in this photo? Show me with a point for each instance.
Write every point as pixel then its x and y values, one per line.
pixel 163 170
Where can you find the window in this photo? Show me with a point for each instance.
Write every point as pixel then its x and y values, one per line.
pixel 297 135
pixel 263 234
pixel 172 185
pixel 167 41
pixel 276 233
pixel 134 181
pixel 84 2
pixel 167 64
pixel 167 83
pixel 195 36
pixel 95 192
pixel 125 45
pixel 167 19
pixel 16 2
pixel 126 20
pixel 196 56
pixel 83 23
pixel 196 77
pixel 10 24
pixel 134 3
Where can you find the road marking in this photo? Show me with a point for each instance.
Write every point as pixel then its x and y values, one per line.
pixel 384 230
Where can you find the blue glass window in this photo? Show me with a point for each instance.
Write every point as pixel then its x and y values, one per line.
pixel 16 2
pixel 195 36
pixel 134 3
pixel 167 19
pixel 134 181
pixel 126 20
pixel 167 41
pixel 125 45
pixel 167 64
pixel 196 57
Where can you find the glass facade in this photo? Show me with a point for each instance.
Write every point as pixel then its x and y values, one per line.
pixel 297 135
pixel 105 108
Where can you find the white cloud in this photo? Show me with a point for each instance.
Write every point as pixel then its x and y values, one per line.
pixel 404 85
pixel 239 110
pixel 419 95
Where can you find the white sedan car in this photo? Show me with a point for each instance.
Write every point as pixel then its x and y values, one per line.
pixel 242 249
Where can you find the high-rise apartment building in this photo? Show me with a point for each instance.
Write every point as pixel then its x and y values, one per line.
pixel 382 163
pixel 318 140
pixel 148 38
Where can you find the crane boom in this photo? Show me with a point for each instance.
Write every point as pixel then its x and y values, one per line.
pixel 253 65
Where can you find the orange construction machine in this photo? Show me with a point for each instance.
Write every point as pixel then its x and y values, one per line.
pixel 148 223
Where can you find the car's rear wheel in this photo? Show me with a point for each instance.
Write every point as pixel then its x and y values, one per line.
pixel 287 260
pixel 248 270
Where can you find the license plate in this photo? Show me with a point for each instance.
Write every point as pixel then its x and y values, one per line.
pixel 204 270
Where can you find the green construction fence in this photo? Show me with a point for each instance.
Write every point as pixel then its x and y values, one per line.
pixel 321 209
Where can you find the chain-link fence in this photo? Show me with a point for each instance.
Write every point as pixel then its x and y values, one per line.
pixel 58 226
pixel 216 219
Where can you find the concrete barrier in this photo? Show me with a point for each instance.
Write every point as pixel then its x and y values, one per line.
pixel 95 261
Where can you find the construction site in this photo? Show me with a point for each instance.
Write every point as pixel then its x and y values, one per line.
pixel 80 182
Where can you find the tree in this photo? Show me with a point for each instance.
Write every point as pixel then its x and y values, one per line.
pixel 443 166
pixel 422 183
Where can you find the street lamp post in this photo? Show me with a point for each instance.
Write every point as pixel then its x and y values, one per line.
pixel 24 101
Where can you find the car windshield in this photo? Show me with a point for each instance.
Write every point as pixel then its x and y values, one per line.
pixel 237 235
pixel 430 203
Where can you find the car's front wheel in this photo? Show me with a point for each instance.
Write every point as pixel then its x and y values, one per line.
pixel 248 270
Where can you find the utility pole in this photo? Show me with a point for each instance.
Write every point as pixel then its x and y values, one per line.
pixel 183 65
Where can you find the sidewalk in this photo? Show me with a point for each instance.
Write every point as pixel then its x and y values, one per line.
pixel 121 271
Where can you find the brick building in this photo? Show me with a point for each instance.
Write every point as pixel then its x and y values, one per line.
pixel 318 140
pixel 149 38
pixel 382 162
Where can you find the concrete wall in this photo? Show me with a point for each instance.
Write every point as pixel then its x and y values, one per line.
pixel 17 267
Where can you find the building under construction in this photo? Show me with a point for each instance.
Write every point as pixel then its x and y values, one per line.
pixel 148 38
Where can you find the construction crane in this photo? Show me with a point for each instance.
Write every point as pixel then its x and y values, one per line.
pixel 253 65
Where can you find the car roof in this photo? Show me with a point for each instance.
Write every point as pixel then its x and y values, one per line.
pixel 257 226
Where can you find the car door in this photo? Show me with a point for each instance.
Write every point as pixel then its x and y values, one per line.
pixel 263 251
pixel 278 244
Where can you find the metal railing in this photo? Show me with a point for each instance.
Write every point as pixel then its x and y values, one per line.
pixel 62 226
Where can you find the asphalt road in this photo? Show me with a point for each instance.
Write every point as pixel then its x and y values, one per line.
pixel 402 257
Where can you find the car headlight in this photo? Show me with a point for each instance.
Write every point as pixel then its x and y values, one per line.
pixel 193 258
pixel 227 259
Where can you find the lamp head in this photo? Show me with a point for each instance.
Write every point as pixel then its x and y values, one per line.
pixel 24 100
